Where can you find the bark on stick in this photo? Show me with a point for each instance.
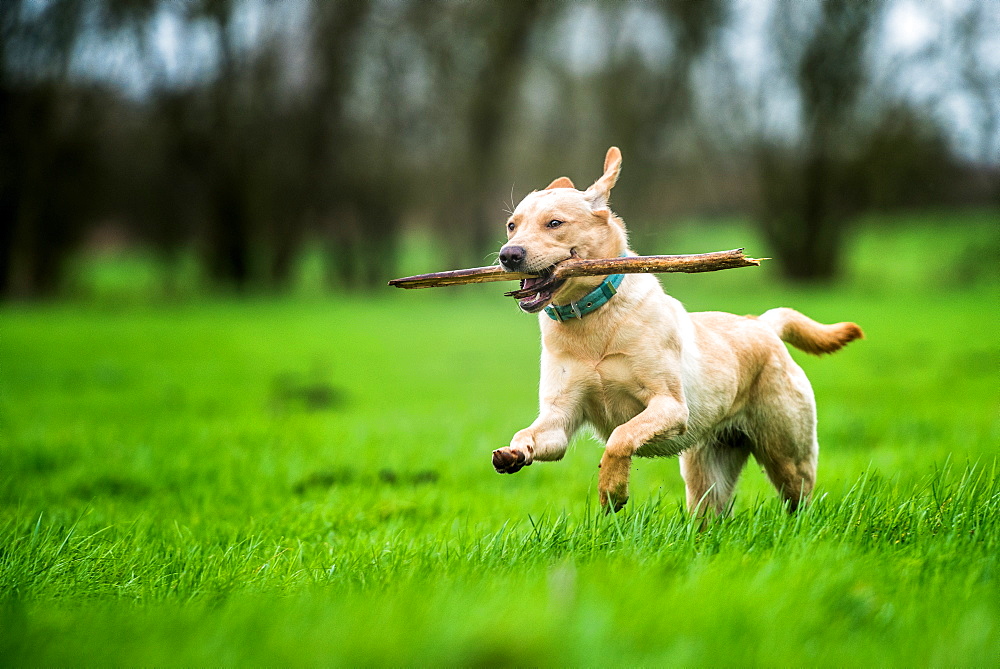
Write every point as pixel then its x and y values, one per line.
pixel 699 262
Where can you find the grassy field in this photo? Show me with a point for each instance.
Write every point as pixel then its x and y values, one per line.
pixel 308 481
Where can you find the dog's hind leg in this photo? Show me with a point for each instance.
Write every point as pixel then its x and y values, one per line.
pixel 784 436
pixel 792 472
pixel 710 471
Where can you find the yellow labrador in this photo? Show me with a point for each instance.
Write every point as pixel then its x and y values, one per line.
pixel 651 379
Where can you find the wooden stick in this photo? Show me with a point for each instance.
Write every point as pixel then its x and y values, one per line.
pixel 699 262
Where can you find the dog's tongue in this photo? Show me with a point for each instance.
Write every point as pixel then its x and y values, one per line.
pixel 534 303
pixel 532 282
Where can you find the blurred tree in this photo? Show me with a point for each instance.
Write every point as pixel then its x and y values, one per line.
pixel 47 146
pixel 345 172
pixel 905 161
pixel 645 106
pixel 231 218
pixel 53 180
pixel 505 30
pixel 808 192
pixel 476 54
pixel 975 33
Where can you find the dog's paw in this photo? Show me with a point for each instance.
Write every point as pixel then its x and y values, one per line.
pixel 612 483
pixel 613 501
pixel 509 460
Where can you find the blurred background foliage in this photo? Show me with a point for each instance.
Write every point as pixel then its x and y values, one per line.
pixel 241 140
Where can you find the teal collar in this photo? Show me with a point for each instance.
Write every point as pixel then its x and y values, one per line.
pixel 592 301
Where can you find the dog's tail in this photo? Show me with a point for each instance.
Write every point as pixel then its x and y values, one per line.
pixel 806 334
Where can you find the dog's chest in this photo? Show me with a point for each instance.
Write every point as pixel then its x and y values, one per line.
pixel 614 394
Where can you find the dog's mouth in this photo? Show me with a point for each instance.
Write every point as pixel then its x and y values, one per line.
pixel 537 291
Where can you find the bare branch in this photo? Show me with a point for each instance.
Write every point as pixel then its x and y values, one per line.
pixel 699 262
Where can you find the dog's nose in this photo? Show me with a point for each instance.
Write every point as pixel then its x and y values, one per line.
pixel 511 257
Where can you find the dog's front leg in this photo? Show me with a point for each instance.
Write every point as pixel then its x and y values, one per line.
pixel 663 418
pixel 545 439
pixel 560 397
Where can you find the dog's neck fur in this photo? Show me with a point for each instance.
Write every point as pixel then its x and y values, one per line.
pixel 595 334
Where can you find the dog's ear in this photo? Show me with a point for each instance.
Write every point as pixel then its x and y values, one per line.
pixel 599 193
pixel 561 182
pixel 605 215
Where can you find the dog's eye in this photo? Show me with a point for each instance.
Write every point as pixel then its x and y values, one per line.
pixel 510 226
pixel 553 224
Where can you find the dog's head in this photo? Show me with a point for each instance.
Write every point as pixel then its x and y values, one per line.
pixel 558 223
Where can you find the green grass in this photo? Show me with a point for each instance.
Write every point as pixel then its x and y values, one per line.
pixel 308 481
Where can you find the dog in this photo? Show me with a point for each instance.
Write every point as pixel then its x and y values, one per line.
pixel 651 379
